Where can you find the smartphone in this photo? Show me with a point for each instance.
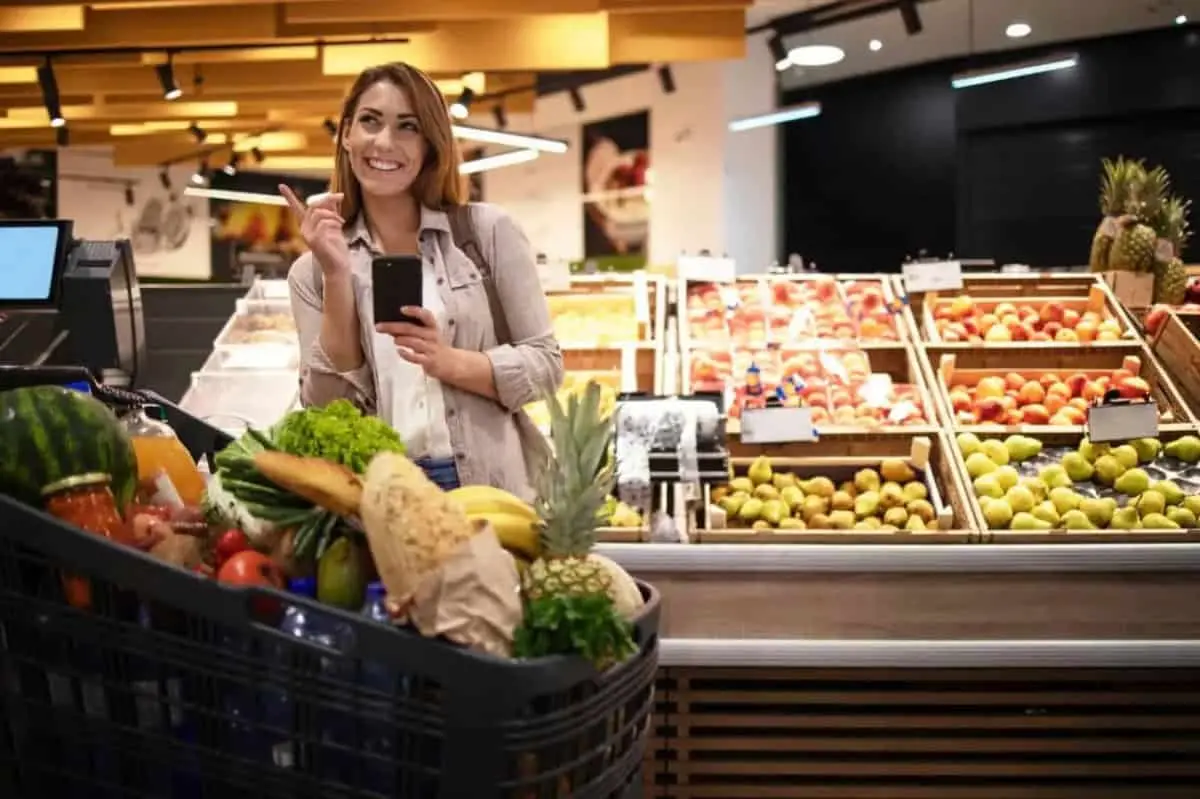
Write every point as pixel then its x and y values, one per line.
pixel 396 281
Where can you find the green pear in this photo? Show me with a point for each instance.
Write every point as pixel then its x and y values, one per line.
pixel 915 490
pixel 1027 521
pixel 820 486
pixel 1171 492
pixel 1147 448
pixel 1108 469
pixel 1098 511
pixel 979 464
pixel 1186 449
pixel 895 517
pixel 1048 513
pixel 1156 521
pixel 867 480
pixel 922 509
pixel 1064 499
pixel 915 524
pixel 1078 468
pixel 1134 482
pixel 1092 451
pixel 1125 519
pixel 760 470
pixel 867 504
pixel 995 450
pixel 1021 448
pixel 1181 516
pixel 967 443
pixel 1054 476
pixel 1006 476
pixel 1192 504
pixel 1020 499
pixel 1035 485
pixel 1126 455
pixel 1076 520
pixel 1150 503
pixel 998 514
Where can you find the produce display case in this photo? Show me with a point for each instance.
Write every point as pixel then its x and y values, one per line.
pixel 1032 312
pixel 836 344
pixel 259 322
pixel 1177 344
pixel 1105 525
pixel 235 400
pixel 1028 390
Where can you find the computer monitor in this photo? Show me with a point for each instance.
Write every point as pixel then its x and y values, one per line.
pixel 33 256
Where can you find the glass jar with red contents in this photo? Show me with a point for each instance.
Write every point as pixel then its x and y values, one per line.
pixel 86 501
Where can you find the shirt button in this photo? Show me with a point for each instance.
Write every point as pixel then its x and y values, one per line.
pixel 458 456
pixel 441 280
pixel 451 412
pixel 451 323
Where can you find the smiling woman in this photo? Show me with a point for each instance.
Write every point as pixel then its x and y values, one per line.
pixel 453 379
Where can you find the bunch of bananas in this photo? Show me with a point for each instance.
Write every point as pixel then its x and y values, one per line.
pixel 515 522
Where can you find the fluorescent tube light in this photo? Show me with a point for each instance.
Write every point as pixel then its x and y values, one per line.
pixel 803 111
pixel 966 80
pixel 509 139
pixel 496 161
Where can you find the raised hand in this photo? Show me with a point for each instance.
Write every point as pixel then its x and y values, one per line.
pixel 321 227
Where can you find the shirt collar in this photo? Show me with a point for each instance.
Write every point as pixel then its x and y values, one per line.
pixel 359 235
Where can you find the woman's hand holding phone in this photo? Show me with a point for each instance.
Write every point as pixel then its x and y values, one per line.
pixel 321 227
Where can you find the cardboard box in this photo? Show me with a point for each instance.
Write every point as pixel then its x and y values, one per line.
pixel 1132 289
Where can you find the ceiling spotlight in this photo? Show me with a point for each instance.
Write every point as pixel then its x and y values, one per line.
pixel 577 99
pixel 911 17
pixel 666 79
pixel 62 136
pixel 501 117
pixel 257 155
pixel 50 98
pixel 330 127
pixel 129 198
pixel 232 167
pixel 200 176
pixel 1018 30
pixel 166 79
pixel 875 45
pixel 816 55
pixel 197 133
pixel 778 52
pixel 164 177
pixel 1181 19
pixel 461 108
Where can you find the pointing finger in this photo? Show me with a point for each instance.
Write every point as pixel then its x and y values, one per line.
pixel 292 200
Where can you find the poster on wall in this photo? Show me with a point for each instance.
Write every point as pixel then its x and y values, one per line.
pixel 616 208
pixel 28 184
pixel 255 239
pixel 475 179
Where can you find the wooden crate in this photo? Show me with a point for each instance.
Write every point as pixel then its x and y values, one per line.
pixel 639 364
pixel 1067 438
pixel 1051 733
pixel 967 367
pixel 1177 346
pixel 839 457
pixel 1098 299
pixel 900 363
pixel 634 535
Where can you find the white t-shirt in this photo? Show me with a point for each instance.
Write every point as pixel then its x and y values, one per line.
pixel 416 401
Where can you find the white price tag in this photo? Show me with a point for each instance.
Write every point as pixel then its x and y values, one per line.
pixel 777 425
pixel 706 268
pixel 932 276
pixel 555 275
pixel 1122 422
pixel 629 368
pixel 641 298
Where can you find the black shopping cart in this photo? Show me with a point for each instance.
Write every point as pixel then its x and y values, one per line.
pixel 173 686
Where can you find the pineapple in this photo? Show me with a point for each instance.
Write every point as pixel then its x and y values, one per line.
pixel 1170 277
pixel 572 492
pixel 1134 245
pixel 1120 178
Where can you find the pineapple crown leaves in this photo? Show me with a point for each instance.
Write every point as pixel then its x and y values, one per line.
pixel 1118 180
pixel 1147 197
pixel 578 477
pixel 1175 227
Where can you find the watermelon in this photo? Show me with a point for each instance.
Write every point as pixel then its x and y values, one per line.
pixel 48 433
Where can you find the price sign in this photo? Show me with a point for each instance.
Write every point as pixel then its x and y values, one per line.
pixel 706 268
pixel 1122 421
pixel 777 425
pixel 932 276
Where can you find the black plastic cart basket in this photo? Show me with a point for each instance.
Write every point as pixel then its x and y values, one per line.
pixel 174 686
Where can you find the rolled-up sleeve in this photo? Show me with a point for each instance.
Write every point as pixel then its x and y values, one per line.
pixel 320 381
pixel 530 367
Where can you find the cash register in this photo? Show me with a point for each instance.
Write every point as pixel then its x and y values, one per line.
pixel 68 302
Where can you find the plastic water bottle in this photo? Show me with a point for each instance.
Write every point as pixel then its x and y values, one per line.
pixel 378 736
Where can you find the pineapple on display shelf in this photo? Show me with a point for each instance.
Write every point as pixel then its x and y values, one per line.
pixel 1120 177
pixel 577 601
pixel 1133 248
pixel 1170 276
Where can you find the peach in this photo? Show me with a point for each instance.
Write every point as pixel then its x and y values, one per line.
pixel 1093 391
pixel 1051 312
pixel 1003 309
pixel 1032 393
pixel 1120 374
pixel 1027 310
pixel 960 400
pixel 998 333
pixel 1076 415
pixel 1051 328
pixel 1040 336
pixel 961 306
pixel 989 410
pixel 1014 381
pixel 966 417
pixel 1066 334
pixel 1076 382
pixel 1086 331
pixel 986 322
pixel 1134 387
pixel 1059 420
pixel 1054 403
pixel 990 386
pixel 1009 320
pixel 1108 335
pixel 1035 414
pixel 1060 389
pixel 1048 379
pixel 1070 317
pixel 1008 401
pixel 1078 402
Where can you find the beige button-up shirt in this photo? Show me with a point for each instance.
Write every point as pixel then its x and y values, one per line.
pixel 487 435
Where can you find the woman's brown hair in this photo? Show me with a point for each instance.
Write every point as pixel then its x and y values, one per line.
pixel 439 185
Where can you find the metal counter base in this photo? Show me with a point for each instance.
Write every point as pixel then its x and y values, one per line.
pixel 932 672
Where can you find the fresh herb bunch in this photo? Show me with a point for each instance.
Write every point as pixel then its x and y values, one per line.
pixel 583 624
pixel 337 432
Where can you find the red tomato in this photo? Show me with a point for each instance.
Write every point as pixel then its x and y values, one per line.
pixel 250 568
pixel 230 543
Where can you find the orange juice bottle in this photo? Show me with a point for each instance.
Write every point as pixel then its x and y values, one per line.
pixel 159 450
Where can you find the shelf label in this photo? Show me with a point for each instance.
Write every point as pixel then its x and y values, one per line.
pixel 777 425
pixel 1122 421
pixel 932 276
pixel 706 268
